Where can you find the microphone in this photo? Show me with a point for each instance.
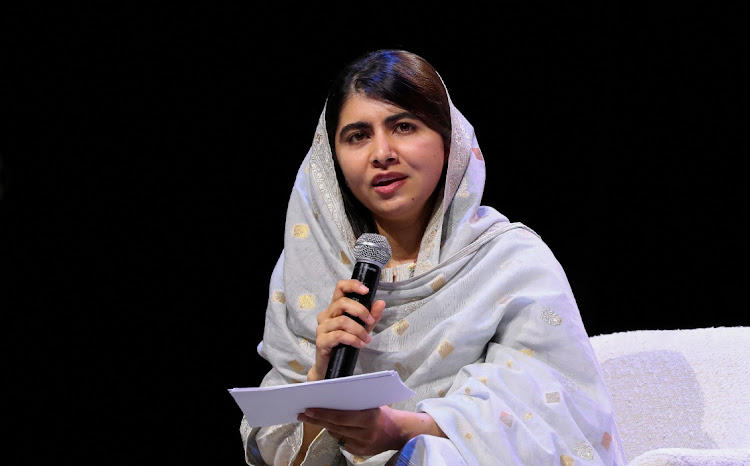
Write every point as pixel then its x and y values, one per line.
pixel 372 252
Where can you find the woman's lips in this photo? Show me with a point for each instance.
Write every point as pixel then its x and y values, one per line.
pixel 390 186
pixel 388 183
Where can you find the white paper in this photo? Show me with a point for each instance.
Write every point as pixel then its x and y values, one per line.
pixel 280 404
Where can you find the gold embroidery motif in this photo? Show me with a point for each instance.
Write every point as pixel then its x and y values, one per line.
pixel 411 307
pixel 528 416
pixel 344 259
pixel 583 450
pixel 437 283
pixel 509 363
pixel 482 379
pixel 400 327
pixel 553 397
pixel 441 393
pixel 424 266
pixel 606 440
pixel 566 460
pixel 307 301
pixel 506 418
pixel 445 349
pixel 307 347
pixel 296 366
pixel 429 238
pixel 550 317
pixel 358 459
pixel 316 211
pixel 468 436
pixel 463 190
pixel 300 230
pixel 528 352
pixel 279 297
pixel 467 390
pixel 402 370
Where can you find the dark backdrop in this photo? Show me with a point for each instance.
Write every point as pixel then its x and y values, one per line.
pixel 148 156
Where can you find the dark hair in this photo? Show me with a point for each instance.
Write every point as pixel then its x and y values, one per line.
pixel 398 77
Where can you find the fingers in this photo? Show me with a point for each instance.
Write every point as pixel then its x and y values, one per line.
pixel 341 329
pixel 337 420
pixel 348 308
pixel 333 429
pixel 355 430
pixel 341 305
pixel 348 286
pixel 376 311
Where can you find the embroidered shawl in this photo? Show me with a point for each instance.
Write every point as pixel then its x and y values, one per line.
pixel 486 332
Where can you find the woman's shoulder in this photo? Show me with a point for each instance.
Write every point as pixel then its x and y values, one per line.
pixel 507 233
pixel 518 239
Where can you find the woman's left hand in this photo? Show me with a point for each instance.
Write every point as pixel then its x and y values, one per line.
pixel 372 431
pixel 365 432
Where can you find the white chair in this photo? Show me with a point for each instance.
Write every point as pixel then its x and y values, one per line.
pixel 681 397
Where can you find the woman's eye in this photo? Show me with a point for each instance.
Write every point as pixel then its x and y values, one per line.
pixel 404 127
pixel 356 137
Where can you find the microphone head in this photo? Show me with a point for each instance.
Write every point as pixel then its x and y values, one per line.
pixel 373 248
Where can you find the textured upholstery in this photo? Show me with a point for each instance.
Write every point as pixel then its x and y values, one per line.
pixel 681 397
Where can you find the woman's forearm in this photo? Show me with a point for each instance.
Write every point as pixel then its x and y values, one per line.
pixel 414 424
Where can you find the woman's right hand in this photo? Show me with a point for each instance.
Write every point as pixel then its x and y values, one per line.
pixel 334 327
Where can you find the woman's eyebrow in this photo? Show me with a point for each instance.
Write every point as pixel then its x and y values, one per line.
pixel 359 125
pixel 399 116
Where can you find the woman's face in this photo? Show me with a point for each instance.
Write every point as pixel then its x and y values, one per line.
pixel 391 160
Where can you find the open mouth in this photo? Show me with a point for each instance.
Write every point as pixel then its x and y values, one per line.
pixel 385 181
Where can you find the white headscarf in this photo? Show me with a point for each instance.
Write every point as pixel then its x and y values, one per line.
pixel 486 332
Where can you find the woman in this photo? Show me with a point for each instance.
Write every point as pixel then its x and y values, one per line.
pixel 474 312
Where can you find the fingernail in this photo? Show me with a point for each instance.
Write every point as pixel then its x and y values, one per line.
pixel 363 288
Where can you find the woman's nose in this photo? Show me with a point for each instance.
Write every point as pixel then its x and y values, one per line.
pixel 384 153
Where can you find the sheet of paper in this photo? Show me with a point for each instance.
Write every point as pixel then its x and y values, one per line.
pixel 267 406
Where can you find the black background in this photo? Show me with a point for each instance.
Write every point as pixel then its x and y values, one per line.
pixel 148 155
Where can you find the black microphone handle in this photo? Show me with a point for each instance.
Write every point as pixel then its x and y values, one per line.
pixel 344 357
